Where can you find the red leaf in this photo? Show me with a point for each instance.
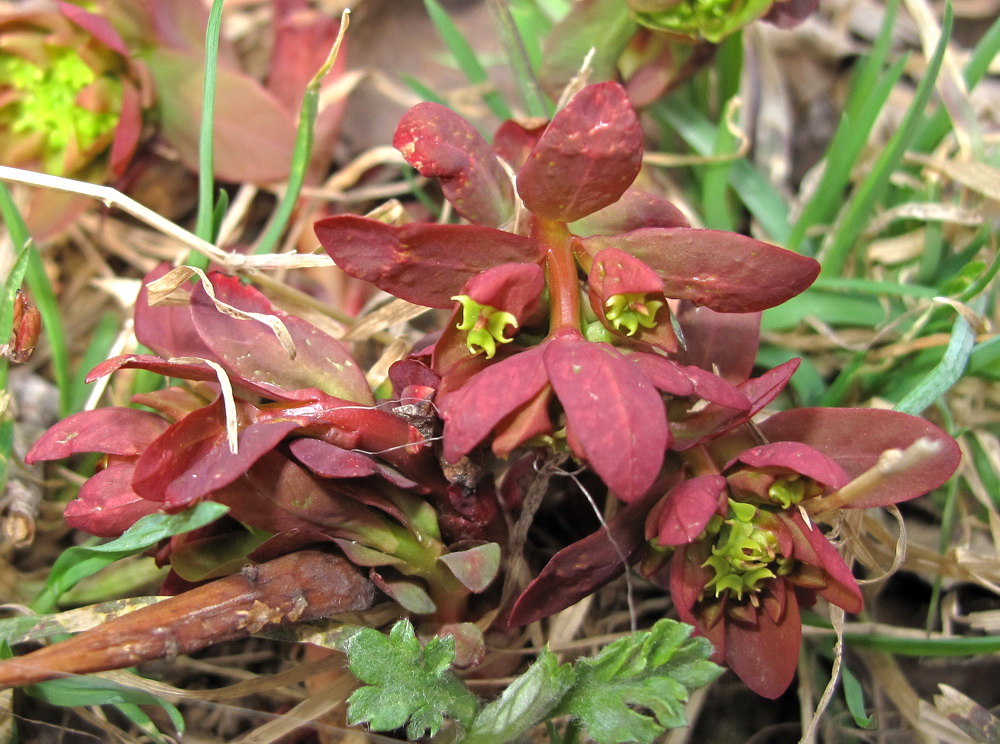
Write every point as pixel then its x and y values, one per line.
pixel 471 412
pixel 114 431
pixel 252 351
pixel 856 437
pixel 179 450
pixel 254 134
pixel 613 413
pixel 584 566
pixel 588 156
pixel 811 546
pixel 635 209
pixel 725 342
pixel 798 458
pixel 722 270
pixel 422 263
pixel 441 144
pixel 766 655
pixel 330 461
pixel 166 329
pixel 513 142
pixel 687 508
pixel 278 495
pixel 106 505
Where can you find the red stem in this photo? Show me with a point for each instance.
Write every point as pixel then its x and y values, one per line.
pixel 560 274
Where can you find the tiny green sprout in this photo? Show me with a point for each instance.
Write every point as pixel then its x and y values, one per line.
pixel 787 491
pixel 485 325
pixel 49 105
pixel 744 555
pixel 631 310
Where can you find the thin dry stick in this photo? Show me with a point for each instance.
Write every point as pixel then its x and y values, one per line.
pixel 114 198
pixel 889 463
pixel 515 563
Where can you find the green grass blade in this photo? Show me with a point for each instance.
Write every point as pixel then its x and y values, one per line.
pixel 864 200
pixel 945 374
pixel 99 348
pixel 80 561
pixel 466 58
pixel 758 195
pixel 205 222
pixel 933 129
pixel 715 197
pixel 535 101
pixel 845 148
pixel 869 91
pixel 303 149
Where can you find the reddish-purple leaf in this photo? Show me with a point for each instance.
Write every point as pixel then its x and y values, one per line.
pixel 584 566
pixel 513 142
pixel 113 431
pixel 765 654
pixel 475 567
pixel 812 547
pixel 514 288
pixel 422 263
pixel 588 156
pixel 252 351
pixel 254 134
pixel 166 329
pixel 722 270
pixel 471 412
pixel 614 414
pixel 330 461
pixel 278 495
pixel 797 457
pixel 179 449
pixel 200 373
pixel 635 209
pixel 441 144
pixel 687 507
pixel 106 505
pixel 689 382
pixel 856 437
pixel 173 402
pixel 722 342
pixel 219 466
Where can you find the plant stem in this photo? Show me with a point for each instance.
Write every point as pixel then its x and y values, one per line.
pixel 560 274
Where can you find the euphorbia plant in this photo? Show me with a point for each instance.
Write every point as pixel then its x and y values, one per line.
pixel 570 212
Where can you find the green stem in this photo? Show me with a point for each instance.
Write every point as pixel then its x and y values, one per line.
pixel 560 274
pixel 204 224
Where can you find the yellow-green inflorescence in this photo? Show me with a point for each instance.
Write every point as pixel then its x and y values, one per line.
pixel 485 325
pixel 631 310
pixel 49 104
pixel 745 555
pixel 711 20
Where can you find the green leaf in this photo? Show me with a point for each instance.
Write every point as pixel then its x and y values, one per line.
pixel 528 700
pixel 407 685
pixel 653 670
pixel 855 698
pixel 945 374
pixel 80 561
pixel 206 155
